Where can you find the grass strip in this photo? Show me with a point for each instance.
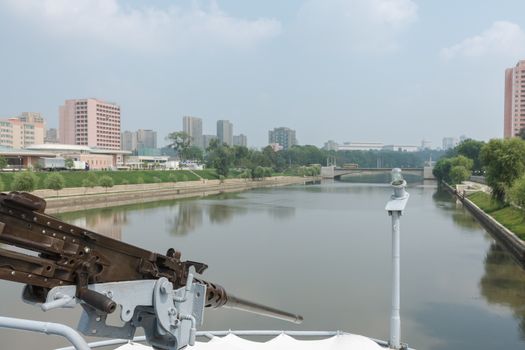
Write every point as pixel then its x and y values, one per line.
pixel 511 217
pixel 75 178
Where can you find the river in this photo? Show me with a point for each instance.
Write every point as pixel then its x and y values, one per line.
pixel 324 251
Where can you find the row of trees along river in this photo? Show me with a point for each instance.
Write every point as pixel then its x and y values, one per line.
pixel 224 161
pixel 502 163
pixel 223 157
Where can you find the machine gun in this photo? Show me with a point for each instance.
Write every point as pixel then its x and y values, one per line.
pixel 63 265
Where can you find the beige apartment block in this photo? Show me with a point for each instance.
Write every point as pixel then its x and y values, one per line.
pixel 90 122
pixel 24 130
pixel 514 102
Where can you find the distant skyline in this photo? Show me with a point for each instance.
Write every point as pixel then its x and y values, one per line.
pixel 388 71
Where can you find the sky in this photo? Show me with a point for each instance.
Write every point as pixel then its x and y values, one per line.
pixel 391 71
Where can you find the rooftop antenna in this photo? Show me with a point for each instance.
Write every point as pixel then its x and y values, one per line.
pixel 395 207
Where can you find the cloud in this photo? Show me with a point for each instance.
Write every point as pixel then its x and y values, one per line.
pixel 502 39
pixel 144 28
pixel 358 25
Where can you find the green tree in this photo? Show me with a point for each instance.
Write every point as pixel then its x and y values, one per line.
pixel 441 170
pixel 180 141
pixel 462 161
pixel 69 163
pixel 504 162
pixel 517 192
pixel 3 163
pixel 241 156
pixel 106 182
pixel 90 181
pixel 521 134
pixel 270 157
pixel 24 181
pixel 55 181
pixel 220 157
pixel 246 174
pixel 258 172
pixel 193 153
pixel 471 149
pixel 458 173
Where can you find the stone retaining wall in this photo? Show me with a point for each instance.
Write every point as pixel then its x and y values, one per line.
pixel 507 238
pixel 513 243
pixel 74 199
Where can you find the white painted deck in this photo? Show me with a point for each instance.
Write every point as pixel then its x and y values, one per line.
pixel 280 342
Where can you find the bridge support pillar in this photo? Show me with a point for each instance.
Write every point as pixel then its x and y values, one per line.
pixel 328 172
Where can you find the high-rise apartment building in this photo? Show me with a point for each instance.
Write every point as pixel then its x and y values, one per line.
pixel 146 139
pixel 206 139
pixel 240 140
pixel 282 136
pixel 90 122
pixel 426 144
pixel 225 132
pixel 128 141
pixel 51 136
pixel 330 145
pixel 141 139
pixel 24 130
pixel 193 127
pixel 514 102
pixel 449 142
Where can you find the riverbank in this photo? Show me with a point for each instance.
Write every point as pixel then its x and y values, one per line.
pixel 81 198
pixel 514 244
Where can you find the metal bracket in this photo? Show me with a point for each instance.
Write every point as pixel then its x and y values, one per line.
pixel 169 317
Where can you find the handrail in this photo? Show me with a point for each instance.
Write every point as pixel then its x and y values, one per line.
pixel 47 328
pixel 211 334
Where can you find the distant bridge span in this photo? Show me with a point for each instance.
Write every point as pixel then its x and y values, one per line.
pixel 337 173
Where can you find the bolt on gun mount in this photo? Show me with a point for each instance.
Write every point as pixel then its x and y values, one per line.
pixel 75 265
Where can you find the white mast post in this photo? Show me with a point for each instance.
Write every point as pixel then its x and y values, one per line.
pixel 395 207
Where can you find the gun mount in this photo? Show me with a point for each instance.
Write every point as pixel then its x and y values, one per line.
pixel 63 265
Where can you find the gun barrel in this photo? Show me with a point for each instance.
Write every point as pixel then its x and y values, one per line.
pixel 216 296
pixel 245 305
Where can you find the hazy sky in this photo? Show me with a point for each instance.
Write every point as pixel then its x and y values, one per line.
pixel 392 71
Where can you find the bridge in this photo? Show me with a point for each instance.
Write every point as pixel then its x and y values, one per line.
pixel 337 173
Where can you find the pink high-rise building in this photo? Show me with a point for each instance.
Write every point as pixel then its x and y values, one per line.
pixel 25 130
pixel 90 122
pixel 514 110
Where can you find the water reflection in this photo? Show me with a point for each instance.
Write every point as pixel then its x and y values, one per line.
pixel 108 222
pixel 220 209
pixel 457 291
pixel 186 216
pixel 382 178
pixel 454 208
pixel 504 283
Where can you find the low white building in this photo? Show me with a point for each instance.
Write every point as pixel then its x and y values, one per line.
pixel 361 146
pixel 401 148
pixel 147 162
pixel 96 158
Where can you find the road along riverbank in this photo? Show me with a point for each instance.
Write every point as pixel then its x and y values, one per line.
pixel 80 198
pixel 507 238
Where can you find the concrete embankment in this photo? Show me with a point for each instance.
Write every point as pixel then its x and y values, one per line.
pixel 510 241
pixel 79 198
